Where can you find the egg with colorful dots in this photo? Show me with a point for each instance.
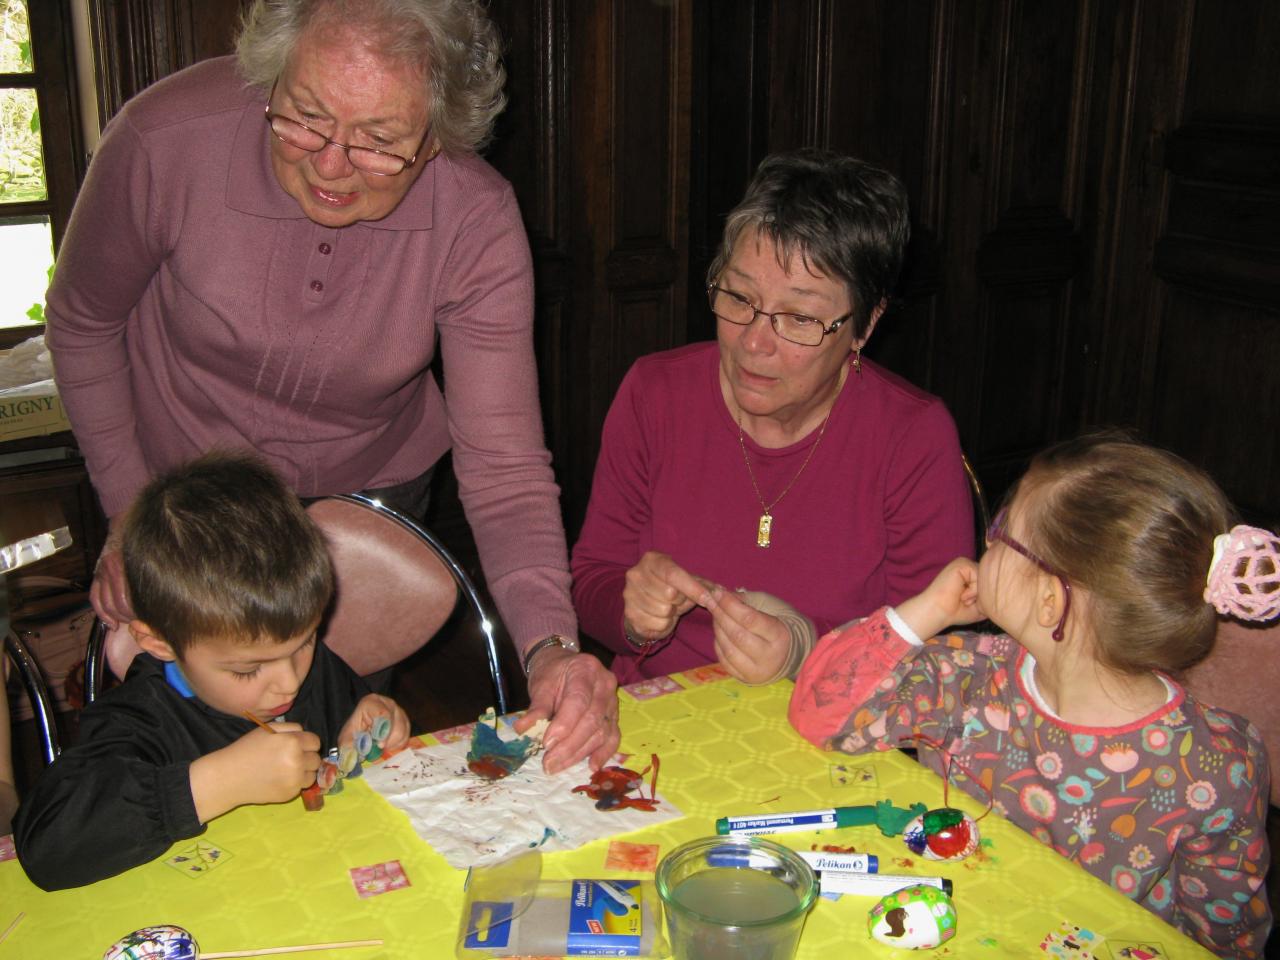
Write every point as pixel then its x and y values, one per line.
pixel 919 917
pixel 942 834
pixel 161 942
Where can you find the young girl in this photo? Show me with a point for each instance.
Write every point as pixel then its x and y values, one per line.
pixel 1071 719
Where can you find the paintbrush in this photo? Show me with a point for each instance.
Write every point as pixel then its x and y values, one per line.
pixel 9 929
pixel 265 726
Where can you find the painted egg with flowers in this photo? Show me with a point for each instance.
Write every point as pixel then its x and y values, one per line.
pixel 162 942
pixel 917 917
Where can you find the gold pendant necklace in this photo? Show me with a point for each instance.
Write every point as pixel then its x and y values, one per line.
pixel 764 530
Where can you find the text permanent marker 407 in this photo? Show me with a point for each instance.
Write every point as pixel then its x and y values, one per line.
pixel 799 822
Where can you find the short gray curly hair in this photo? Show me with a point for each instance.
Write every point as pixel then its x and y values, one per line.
pixel 452 42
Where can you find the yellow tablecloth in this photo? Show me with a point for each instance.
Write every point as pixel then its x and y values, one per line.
pixel 283 875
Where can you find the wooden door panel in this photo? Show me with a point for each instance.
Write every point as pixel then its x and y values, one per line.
pixel 1215 393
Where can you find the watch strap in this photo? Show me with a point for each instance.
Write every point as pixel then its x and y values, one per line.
pixel 555 640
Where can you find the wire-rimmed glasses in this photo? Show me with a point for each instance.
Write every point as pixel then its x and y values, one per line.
pixel 997 532
pixel 297 134
pixel 796 327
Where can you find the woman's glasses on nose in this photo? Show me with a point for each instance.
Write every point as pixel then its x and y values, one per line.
pixel 298 134
pixel 796 327
pixel 997 533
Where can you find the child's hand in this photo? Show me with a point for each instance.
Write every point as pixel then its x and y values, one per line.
pixel 952 598
pixel 753 646
pixel 369 709
pixel 260 767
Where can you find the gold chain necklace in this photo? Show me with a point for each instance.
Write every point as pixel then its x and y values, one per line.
pixel 764 530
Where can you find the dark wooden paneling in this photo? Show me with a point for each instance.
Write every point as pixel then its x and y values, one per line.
pixel 1092 185
pixel 1216 391
pixel 139 41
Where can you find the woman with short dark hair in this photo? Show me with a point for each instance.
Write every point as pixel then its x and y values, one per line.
pixel 776 459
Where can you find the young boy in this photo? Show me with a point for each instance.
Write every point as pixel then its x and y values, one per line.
pixel 229 578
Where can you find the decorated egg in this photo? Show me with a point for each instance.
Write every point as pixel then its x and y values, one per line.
pixel 942 834
pixel 918 917
pixel 164 942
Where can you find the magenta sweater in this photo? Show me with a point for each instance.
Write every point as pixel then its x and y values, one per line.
pixel 195 306
pixel 879 510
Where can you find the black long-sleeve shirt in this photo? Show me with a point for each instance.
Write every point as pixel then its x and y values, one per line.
pixel 122 795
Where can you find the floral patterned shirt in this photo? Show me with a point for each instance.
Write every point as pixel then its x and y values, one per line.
pixel 1169 810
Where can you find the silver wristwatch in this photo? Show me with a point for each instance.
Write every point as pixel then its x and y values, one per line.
pixel 555 640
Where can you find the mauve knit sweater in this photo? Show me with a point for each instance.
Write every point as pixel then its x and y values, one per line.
pixel 194 306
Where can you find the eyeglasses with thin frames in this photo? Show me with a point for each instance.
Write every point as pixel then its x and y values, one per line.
pixel 996 532
pixel 297 134
pixel 795 327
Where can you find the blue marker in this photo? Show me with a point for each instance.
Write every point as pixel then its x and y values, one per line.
pixel 799 822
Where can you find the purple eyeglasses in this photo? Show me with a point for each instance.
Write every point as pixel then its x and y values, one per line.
pixel 997 532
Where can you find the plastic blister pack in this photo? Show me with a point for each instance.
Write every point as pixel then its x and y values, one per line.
pixel 510 911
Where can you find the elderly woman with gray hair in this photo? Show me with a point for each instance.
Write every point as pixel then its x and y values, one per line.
pixel 777 459
pixel 265 254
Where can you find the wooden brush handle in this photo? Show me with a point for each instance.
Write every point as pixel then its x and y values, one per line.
pixel 296 949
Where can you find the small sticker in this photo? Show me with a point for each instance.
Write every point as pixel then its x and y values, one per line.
pixel 198 859
pixel 454 734
pixel 1070 940
pixel 846 775
pixel 1137 950
pixel 640 857
pixel 379 878
pixel 651 688
pixel 706 674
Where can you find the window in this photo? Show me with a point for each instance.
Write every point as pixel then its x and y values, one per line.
pixel 39 154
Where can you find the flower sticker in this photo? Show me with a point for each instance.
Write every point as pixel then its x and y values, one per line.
pixel 1218 821
pixel 1238 773
pixel 1084 744
pixel 1119 757
pixel 1193 886
pixel 1158 896
pixel 1223 911
pixel 1075 790
pixel 997 715
pixel 1092 853
pixel 1201 795
pixel 1125 880
pixel 1049 765
pixel 1038 803
pixel 1140 857
pixel 1157 738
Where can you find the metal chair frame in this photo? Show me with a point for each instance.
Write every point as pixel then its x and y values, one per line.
pixel 37 692
pixel 96 653
pixel 466 587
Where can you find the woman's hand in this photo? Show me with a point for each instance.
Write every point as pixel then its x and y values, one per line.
pixel 752 645
pixel 951 599
pixel 658 593
pixel 369 709
pixel 579 695
pixel 261 767
pixel 109 593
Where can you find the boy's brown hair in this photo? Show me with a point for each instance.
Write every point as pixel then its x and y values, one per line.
pixel 1134 525
pixel 221 548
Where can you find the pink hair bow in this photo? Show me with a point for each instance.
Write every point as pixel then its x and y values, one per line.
pixel 1244 577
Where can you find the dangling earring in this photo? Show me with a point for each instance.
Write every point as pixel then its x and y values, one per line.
pixel 857 360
